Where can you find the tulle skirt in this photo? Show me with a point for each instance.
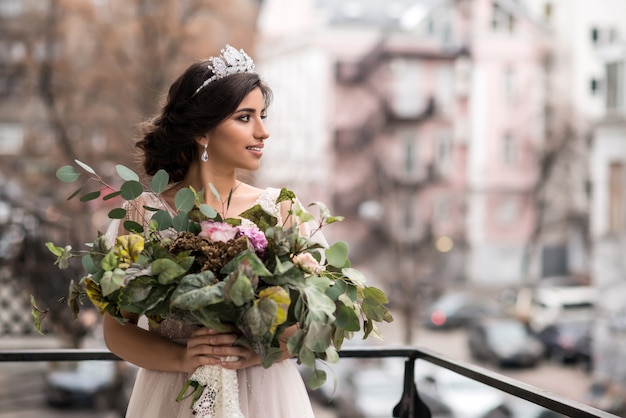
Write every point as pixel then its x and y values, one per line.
pixel 275 392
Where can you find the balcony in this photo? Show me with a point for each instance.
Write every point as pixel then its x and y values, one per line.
pixel 408 406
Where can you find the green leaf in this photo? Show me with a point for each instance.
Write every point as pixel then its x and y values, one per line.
pixel 90 196
pixel 317 379
pixel 160 181
pixel 126 173
pixel 215 192
pixel 58 251
pixel 117 213
pixel 85 167
pixel 109 262
pixel 284 195
pixel 373 310
pixel 208 211
pixel 239 289
pixel 131 189
pixel 68 174
pixel 197 291
pixel 318 339
pixel 76 193
pixel 132 226
pixel 88 264
pixel 306 357
pixel 181 221
pixel 347 318
pixel 184 200
pixel 337 254
pixel 375 294
pixel 112 281
pixel 38 315
pixel 355 276
pixel 295 341
pixel 112 195
pixel 166 270
pixel 163 219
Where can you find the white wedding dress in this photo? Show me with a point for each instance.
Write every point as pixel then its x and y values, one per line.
pixel 275 392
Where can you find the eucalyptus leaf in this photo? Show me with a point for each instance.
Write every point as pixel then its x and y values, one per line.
pixel 337 254
pixel 166 270
pixel 316 379
pixel 117 213
pixel 184 200
pixel 67 174
pixel 132 226
pixel 163 219
pixel 85 167
pixel 112 195
pixel 90 196
pixel 131 189
pixel 180 222
pixel 160 181
pixel 208 211
pixel 126 173
pixel 76 193
pixel 346 318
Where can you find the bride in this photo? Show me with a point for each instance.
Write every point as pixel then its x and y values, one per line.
pixel 210 126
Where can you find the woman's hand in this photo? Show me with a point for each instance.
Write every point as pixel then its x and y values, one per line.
pixel 209 347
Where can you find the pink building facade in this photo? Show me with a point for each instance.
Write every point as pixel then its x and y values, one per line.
pixel 427 132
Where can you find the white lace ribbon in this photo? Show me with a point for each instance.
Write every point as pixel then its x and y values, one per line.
pixel 220 397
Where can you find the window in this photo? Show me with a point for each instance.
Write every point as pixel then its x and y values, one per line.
pixel 508 210
pixel 547 12
pixel 443 152
pixel 616 197
pixel 409 154
pixel 594 86
pixel 407 92
pixel 509 149
pixel 615 86
pixel 441 210
pixel 501 20
pixel 595 36
pixel 509 83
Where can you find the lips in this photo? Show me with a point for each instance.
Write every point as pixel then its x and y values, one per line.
pixel 256 149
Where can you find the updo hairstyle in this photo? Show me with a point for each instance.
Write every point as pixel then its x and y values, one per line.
pixel 168 141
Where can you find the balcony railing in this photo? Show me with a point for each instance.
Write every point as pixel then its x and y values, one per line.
pixel 408 405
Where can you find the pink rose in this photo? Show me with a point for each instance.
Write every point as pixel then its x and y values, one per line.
pixel 217 231
pixel 306 262
pixel 256 237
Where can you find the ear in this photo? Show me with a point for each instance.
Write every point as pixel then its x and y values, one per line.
pixel 203 140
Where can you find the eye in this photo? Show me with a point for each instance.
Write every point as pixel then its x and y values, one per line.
pixel 244 118
pixel 263 115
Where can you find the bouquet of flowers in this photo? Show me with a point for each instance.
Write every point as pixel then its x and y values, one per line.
pixel 248 272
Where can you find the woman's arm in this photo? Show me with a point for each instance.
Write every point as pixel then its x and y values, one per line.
pixel 151 350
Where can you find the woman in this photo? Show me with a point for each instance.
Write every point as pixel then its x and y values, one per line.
pixel 210 126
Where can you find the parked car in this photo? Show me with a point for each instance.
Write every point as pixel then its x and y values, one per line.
pixel 456 395
pixel 457 309
pixel 504 342
pixel 97 385
pixel 549 304
pixel 562 339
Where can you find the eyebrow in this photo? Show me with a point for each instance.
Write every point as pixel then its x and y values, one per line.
pixel 249 109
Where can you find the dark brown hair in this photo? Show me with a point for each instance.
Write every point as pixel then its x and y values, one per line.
pixel 168 141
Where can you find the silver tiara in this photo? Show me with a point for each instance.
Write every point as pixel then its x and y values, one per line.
pixel 230 61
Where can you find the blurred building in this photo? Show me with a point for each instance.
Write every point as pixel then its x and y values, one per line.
pixel 423 122
pixel 608 222
pixel 76 77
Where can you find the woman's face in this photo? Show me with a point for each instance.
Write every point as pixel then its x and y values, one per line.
pixel 237 142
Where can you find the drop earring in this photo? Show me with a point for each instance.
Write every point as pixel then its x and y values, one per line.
pixel 205 154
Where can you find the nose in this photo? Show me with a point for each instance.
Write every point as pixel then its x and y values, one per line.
pixel 261 133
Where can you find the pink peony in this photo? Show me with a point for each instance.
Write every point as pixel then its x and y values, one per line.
pixel 306 262
pixel 218 231
pixel 256 237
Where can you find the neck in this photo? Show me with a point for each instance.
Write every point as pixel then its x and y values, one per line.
pixel 200 180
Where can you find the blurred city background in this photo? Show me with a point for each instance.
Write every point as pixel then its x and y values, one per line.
pixel 477 149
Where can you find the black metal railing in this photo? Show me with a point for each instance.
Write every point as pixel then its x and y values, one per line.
pixel 409 403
